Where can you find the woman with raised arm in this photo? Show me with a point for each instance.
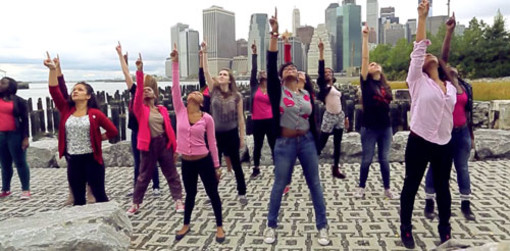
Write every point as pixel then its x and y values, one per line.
pixel 13 137
pixel 462 136
pixel 260 112
pixel 63 89
pixel 133 123
pixel 376 128
pixel 198 157
pixel 156 140
pixel 228 115
pixel 294 123
pixel 334 120
pixel 433 98
pixel 80 137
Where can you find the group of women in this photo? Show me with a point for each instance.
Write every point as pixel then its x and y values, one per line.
pixel 282 106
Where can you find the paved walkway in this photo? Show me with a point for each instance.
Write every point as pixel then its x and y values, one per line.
pixel 368 224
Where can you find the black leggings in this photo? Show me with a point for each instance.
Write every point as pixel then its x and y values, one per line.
pixel 190 172
pixel 228 144
pixel 83 169
pixel 337 142
pixel 261 128
pixel 419 152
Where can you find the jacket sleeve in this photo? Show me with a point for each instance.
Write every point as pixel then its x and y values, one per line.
pixel 176 90
pixel 58 99
pixel 211 140
pixel 62 86
pixel 201 79
pixel 23 116
pixel 107 124
pixel 417 60
pixel 253 76
pixel 321 82
pixel 274 88
pixel 138 100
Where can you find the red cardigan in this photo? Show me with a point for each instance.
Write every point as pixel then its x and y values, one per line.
pixel 142 113
pixel 96 117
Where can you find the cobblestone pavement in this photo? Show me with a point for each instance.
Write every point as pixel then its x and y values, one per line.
pixel 371 223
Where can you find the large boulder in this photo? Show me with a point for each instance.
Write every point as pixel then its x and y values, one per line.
pixel 499 116
pixel 100 226
pixel 41 153
pixel 118 155
pixel 481 114
pixel 492 144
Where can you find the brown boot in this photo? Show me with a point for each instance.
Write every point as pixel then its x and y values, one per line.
pixel 335 169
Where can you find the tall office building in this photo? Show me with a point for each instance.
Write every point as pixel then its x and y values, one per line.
pixel 411 30
pixel 331 14
pixel 189 42
pixel 220 34
pixel 393 32
pixel 242 47
pixel 313 53
pixel 386 18
pixel 259 33
pixel 296 20
pixel 296 52
pixel 430 8
pixel 351 34
pixel 373 19
pixel 434 22
pixel 174 33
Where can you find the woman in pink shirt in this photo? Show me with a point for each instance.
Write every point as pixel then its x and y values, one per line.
pixel 433 98
pixel 197 157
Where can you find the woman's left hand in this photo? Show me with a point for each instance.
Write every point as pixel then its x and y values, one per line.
pixel 104 137
pixel 24 144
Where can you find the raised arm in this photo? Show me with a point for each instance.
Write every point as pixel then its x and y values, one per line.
pixel 365 54
pixel 420 47
pixel 60 101
pixel 60 78
pixel 138 100
pixel 176 88
pixel 450 27
pixel 211 140
pixel 321 82
pixel 253 77
pixel 124 66
pixel 274 90
pixel 287 56
pixel 208 78
pixel 423 11
pixel 240 121
pixel 201 76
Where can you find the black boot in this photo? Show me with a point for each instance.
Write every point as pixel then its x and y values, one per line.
pixel 335 169
pixel 429 209
pixel 256 172
pixel 465 207
pixel 445 233
pixel 406 235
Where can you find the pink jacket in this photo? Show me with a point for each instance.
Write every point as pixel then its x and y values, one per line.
pixel 142 113
pixel 431 109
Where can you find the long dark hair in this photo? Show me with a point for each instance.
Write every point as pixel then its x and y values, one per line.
pixel 92 102
pixel 12 88
pixel 232 86
pixel 283 66
pixel 442 69
pixel 377 89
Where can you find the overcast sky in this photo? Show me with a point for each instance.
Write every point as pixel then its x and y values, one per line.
pixel 85 33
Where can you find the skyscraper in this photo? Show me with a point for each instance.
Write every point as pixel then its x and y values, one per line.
pixel 394 32
pixel 259 33
pixel 410 29
pixel 296 52
pixel 313 53
pixel 174 33
pixel 296 20
pixel 373 18
pixel 332 28
pixel 219 32
pixel 351 38
pixel 242 47
pixel 189 42
pixel 387 17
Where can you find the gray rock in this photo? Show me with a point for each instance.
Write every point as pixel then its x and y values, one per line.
pixel 481 114
pixel 118 155
pixel 40 154
pixel 492 144
pixel 101 226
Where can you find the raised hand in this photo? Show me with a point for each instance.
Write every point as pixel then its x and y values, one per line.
pixel 203 45
pixel 139 63
pixel 175 55
pixel 450 24
pixel 321 45
pixel 56 61
pixel 254 47
pixel 365 30
pixel 118 48
pixel 49 63
pixel 423 9
pixel 274 21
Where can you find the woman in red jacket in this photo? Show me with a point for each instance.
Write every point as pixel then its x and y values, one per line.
pixel 79 137
pixel 156 140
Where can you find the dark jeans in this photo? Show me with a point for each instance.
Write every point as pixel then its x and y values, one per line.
pixel 337 143
pixel 419 153
pixel 190 172
pixel 11 151
pixel 261 128
pixel 228 144
pixel 369 137
pixel 157 153
pixel 136 157
pixel 287 150
pixel 83 169
pixel 461 144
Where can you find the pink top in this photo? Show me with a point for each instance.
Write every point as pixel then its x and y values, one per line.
pixel 190 138
pixel 142 113
pixel 261 106
pixel 6 116
pixel 287 57
pixel 459 112
pixel 333 104
pixel 431 109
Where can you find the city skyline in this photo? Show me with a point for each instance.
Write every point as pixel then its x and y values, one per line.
pixel 86 44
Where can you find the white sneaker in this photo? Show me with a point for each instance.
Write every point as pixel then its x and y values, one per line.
pixel 323 237
pixel 270 235
pixel 391 195
pixel 179 206
pixel 156 192
pixel 360 192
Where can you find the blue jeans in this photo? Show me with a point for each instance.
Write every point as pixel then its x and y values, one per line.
pixel 461 143
pixel 11 151
pixel 369 137
pixel 285 153
pixel 136 157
